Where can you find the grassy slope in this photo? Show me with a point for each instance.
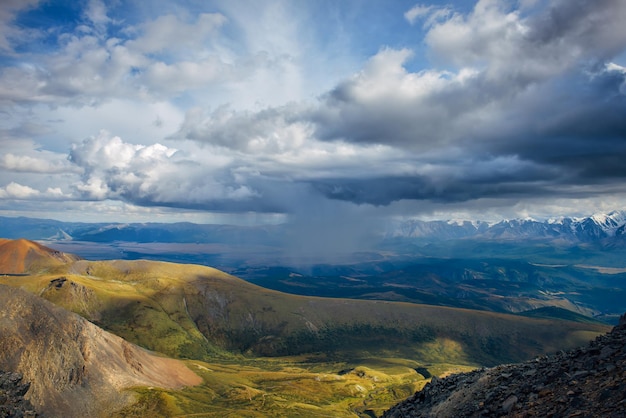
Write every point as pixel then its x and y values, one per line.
pixel 193 311
pixel 553 312
pixel 196 312
pixel 276 387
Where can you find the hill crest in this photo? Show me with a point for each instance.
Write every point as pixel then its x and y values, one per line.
pixel 22 256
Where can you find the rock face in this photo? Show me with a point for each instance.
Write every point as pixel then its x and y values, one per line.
pixel 12 402
pixel 585 382
pixel 75 368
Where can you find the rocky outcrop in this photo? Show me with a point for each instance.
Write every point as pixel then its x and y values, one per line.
pixel 75 368
pixel 585 382
pixel 12 402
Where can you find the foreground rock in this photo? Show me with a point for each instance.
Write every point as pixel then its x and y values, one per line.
pixel 12 402
pixel 75 368
pixel 585 382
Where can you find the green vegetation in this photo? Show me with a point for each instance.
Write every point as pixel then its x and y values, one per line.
pixel 553 312
pixel 265 353
pixel 339 339
pixel 287 388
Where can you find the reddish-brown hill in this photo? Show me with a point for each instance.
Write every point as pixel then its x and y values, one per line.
pixel 24 256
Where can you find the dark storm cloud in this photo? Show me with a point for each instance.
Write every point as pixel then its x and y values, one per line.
pixel 383 191
pixel 538 91
pixel 505 178
pixel 579 126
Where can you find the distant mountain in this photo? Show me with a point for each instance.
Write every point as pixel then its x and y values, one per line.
pixel 180 232
pixel 586 229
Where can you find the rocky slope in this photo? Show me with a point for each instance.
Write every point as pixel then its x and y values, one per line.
pixel 75 368
pixel 12 402
pixel 585 382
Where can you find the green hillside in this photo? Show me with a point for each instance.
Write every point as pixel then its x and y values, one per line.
pixel 196 312
pixel 265 353
pixel 554 312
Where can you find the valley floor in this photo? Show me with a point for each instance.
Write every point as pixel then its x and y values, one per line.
pixel 291 387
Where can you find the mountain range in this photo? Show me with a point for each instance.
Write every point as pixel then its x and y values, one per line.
pixel 582 229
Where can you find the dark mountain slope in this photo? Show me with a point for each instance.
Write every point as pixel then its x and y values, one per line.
pixel 585 382
pixel 75 368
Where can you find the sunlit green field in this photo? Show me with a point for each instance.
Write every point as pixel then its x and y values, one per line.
pixel 290 387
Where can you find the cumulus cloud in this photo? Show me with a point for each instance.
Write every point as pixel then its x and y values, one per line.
pixel 17 191
pixel 167 55
pixel 518 115
pixel 156 175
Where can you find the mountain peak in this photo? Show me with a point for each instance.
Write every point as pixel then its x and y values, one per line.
pixel 21 256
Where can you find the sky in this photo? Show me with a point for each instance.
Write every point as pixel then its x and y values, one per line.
pixel 328 114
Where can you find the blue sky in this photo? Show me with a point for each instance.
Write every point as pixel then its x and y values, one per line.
pixel 321 111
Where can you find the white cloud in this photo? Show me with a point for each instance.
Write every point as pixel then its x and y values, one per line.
pixel 174 37
pixel 28 164
pixel 96 13
pixel 155 174
pixel 268 132
pixel 17 191
pixel 9 32
pixel 430 14
pixel 416 12
pixel 149 122
pixel 519 49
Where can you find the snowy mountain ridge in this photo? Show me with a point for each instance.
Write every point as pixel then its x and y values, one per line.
pixel 597 226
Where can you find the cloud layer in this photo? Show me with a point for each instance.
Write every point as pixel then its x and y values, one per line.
pixel 507 107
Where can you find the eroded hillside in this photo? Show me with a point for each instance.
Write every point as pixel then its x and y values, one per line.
pixel 75 368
